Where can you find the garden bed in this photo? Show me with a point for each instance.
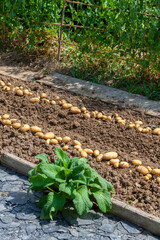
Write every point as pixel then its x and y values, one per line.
pixel 104 135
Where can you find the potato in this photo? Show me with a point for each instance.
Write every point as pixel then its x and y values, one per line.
pixel 75 142
pixel 65 148
pixel 93 115
pixel 25 128
pixel 46 100
pixel 124 164
pixel 57 98
pixel 5 116
pixel 2 83
pixel 149 176
pixel 110 155
pixel 49 135
pixel 131 125
pixel 83 109
pixel 15 88
pixel 35 129
pixel 108 164
pixel 149 168
pixel 48 141
pixel 96 153
pixel 84 154
pixel 54 141
pixel 66 139
pixel 19 92
pixel 99 158
pixel 53 102
pixel 109 118
pixel 6 122
pixel 80 150
pixel 75 110
pixel 144 130
pixel 99 115
pixel 139 129
pixel 30 93
pixel 118 118
pixel 13 120
pixel 40 134
pixel 156 130
pixel 113 161
pixel 148 128
pixel 26 91
pixel 88 151
pixel 67 105
pixel 7 89
pixel 63 101
pixel 16 125
pixel 59 139
pixel 104 117
pixel 9 84
pixel 34 100
pixel 155 171
pixel 142 170
pixel 116 165
pixel 139 122
pixel 158 180
pixel 43 95
pixel 86 115
pixel 146 178
pixel 136 162
pixel 77 147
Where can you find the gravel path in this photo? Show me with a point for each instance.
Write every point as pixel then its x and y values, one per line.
pixel 19 218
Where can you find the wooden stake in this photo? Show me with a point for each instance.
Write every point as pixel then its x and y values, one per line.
pixel 61 30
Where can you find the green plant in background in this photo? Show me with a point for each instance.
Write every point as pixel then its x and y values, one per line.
pixel 69 180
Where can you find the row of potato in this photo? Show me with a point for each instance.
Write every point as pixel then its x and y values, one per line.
pixel 110 157
pixel 75 110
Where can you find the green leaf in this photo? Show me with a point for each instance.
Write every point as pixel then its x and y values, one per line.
pixel 50 170
pixel 63 157
pixel 103 199
pixel 42 157
pixel 105 184
pixel 55 202
pixel 67 188
pixel 81 201
pixel 42 201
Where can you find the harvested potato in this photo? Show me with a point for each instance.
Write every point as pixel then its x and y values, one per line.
pixel 2 83
pixel 84 154
pixel 30 93
pixel 144 130
pixel 100 157
pixel 49 135
pixel 65 148
pixel 88 151
pixel 96 153
pixel 59 139
pixel 158 180
pixel 113 161
pixel 136 162
pixel 155 171
pixel 99 115
pixel 116 165
pixel 148 128
pixel 34 100
pixel 139 129
pixel 46 100
pixel 146 178
pixel 57 98
pixel 149 176
pixel 13 120
pixel 138 122
pixel 35 129
pixel 77 147
pixel 19 92
pixel 142 170
pixel 40 134
pixel 67 105
pixel 54 141
pixel 6 122
pixel 25 128
pixel 131 125
pixel 93 114
pixel 86 115
pixel 109 118
pixel 149 168
pixel 48 141
pixel 156 130
pixel 9 84
pixel 5 116
pixel 53 102
pixel 16 125
pixel 75 110
pixel 75 142
pixel 26 91
pixel 43 95
pixel 66 139
pixel 124 164
pixel 83 109
pixel 6 88
pixel 108 164
pixel 104 117
pixel 110 155
pixel 80 150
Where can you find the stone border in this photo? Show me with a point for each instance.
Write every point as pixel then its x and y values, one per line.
pixel 120 209
pixel 104 93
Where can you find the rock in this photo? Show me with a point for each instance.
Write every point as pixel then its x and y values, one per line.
pixel 7 218
pixel 132 229
pixel 107 228
pixel 30 229
pixel 74 232
pixel 19 198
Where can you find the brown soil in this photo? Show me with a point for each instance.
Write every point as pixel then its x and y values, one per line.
pixel 92 133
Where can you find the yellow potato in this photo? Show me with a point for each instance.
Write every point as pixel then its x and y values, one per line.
pixel 158 179
pixel 54 141
pixel 124 164
pixel 83 109
pixel 67 105
pixel 96 153
pixel 26 91
pixel 139 129
pixel 75 110
pixel 59 139
pixel 2 83
pixel 104 117
pixel 65 148
pixel 84 154
pixel 48 141
pixel 148 128
pixel 131 125
pixel 19 92
pixel 139 122
pixel 43 95
pixel 63 101
pixel 49 135
pixel 99 115
pixel 57 98
pixel 13 120
pixel 113 161
pixel 80 150
pixel 155 171
pixel 30 93
pixel 25 128
pixel 34 100
pixel 149 168
pixel 5 116
pixel 142 170
pixel 149 176
pixel 136 162
pixel 109 118
pixel 46 100
pixel 88 151
pixel 118 118
pixel 35 129
pixel 7 89
pixel 16 125
pixel 77 147
pixel 40 134
pixel 146 178
pixel 156 130
pixel 66 139
pixel 75 142
pixel 9 84
pixel 53 102
pixel 110 155
pixel 6 122
pixel 86 115
pixel 93 114
pixel 108 164
pixel 116 165
pixel 99 158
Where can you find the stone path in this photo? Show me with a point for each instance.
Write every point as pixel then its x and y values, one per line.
pixel 19 218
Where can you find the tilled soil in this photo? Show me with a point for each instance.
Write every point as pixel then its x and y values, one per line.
pixel 105 136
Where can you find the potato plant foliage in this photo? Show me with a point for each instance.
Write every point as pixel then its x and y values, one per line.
pixel 69 180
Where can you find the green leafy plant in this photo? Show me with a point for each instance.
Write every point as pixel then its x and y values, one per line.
pixel 66 181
